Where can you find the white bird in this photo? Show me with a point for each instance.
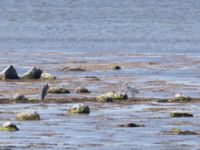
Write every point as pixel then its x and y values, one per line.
pixel 127 88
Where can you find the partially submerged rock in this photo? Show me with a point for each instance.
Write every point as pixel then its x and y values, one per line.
pixel 130 125
pixel 110 96
pixel 80 108
pixel 47 76
pixel 8 126
pixel 72 69
pixel 58 90
pixel 9 73
pixel 82 90
pixel 114 67
pixel 28 115
pixel 178 131
pixel 162 100
pixel 33 73
pixel 180 114
pixel 179 97
pixel 92 78
pixel 19 97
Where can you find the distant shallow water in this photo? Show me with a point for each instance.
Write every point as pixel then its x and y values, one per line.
pixel 86 25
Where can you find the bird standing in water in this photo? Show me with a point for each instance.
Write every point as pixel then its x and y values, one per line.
pixel 44 91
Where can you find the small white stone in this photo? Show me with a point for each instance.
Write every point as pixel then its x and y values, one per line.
pixel 178 95
pixel 78 106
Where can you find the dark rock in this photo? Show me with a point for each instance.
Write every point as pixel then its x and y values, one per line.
pixel 162 100
pixel 72 69
pixel 82 90
pixel 130 125
pixel 92 78
pixel 19 97
pixel 9 73
pixel 58 90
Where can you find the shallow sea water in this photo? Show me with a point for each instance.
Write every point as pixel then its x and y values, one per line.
pixel 98 130
pixel 155 42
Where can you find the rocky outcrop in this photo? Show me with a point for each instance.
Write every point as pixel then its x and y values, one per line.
pixel 58 90
pixel 178 131
pixel 114 67
pixel 47 76
pixel 9 73
pixel 179 97
pixel 80 108
pixel 19 97
pixel 110 96
pixel 28 115
pixel 8 126
pixel 82 90
pixel 33 73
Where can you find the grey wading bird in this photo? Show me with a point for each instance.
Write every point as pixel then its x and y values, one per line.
pixel 44 92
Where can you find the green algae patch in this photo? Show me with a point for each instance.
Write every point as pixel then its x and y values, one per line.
pixel 29 115
pixel 180 99
pixel 110 96
pixel 178 131
pixel 79 108
pixel 9 129
pixel 180 114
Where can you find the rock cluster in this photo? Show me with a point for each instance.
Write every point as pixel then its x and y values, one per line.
pixel 80 108
pixel 28 115
pixel 10 73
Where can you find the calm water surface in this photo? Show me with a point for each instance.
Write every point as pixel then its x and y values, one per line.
pixel 50 34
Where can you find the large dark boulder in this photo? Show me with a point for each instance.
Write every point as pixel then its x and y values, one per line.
pixel 9 73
